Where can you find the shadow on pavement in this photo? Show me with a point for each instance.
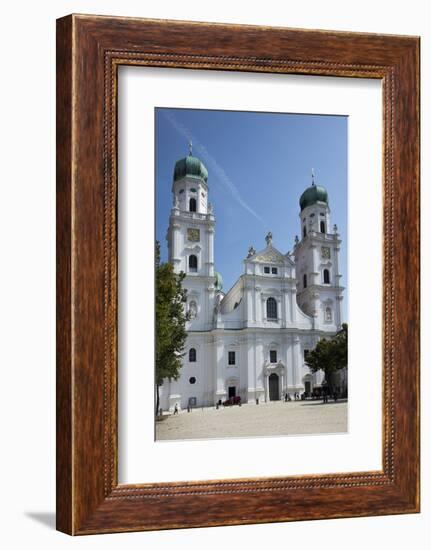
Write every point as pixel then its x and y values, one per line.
pixel 315 403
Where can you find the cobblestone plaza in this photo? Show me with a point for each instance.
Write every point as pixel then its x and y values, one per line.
pixel 266 419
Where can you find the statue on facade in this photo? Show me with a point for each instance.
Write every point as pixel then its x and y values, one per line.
pixel 251 252
pixel 193 310
pixel 268 238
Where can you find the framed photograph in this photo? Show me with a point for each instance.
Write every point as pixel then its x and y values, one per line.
pixel 248 338
pixel 237 274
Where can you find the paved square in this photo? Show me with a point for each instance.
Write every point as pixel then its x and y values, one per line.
pixel 266 419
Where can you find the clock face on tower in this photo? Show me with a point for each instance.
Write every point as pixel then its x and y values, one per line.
pixel 326 252
pixel 193 234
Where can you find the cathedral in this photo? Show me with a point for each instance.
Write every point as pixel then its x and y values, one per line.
pixel 251 341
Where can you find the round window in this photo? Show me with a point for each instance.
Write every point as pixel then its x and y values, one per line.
pixel 192 380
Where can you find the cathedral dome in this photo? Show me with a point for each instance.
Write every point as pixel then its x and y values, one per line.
pixel 312 195
pixel 218 282
pixel 190 166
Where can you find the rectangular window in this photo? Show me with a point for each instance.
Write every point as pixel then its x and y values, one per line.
pixel 266 269
pixel 273 356
pixel 306 352
pixel 231 359
pixel 274 271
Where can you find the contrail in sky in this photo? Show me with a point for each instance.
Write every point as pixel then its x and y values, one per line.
pixel 214 166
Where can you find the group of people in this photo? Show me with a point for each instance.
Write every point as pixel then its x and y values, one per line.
pixel 176 409
pixel 287 397
pixel 324 395
pixel 296 397
pixel 327 395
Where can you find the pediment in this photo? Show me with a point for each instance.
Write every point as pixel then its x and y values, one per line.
pixel 271 255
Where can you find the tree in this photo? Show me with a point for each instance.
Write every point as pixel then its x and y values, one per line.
pixel 170 323
pixel 329 355
pixel 340 341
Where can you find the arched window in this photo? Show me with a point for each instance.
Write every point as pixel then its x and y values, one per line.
pixel 193 263
pixel 328 314
pixel 326 276
pixel 192 205
pixel 271 308
pixel 304 280
pixel 304 231
pixel 322 227
pixel 192 355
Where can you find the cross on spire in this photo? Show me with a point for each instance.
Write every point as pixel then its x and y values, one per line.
pixel 190 147
pixel 312 176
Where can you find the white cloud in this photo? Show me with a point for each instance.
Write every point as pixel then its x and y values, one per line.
pixel 214 167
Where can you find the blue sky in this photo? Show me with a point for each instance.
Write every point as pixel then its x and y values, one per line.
pixel 258 165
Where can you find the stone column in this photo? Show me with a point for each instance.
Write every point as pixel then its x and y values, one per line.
pixel 259 368
pixel 209 307
pixel 283 385
pixel 286 308
pixel 210 251
pixel 207 395
pixel 249 304
pixel 220 392
pixel 176 245
pixel 298 373
pixel 293 305
pixel 338 316
pixel 280 313
pixel 289 361
pixel 243 369
pixel 314 273
pixel 251 368
pixel 296 362
pixel 257 306
pixel 314 303
pixel 336 283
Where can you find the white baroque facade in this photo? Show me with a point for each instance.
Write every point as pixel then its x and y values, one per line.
pixel 250 342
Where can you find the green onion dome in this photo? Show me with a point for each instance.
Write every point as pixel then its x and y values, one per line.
pixel 315 194
pixel 190 167
pixel 218 282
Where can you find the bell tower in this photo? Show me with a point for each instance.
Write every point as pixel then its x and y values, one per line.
pixel 319 293
pixel 191 238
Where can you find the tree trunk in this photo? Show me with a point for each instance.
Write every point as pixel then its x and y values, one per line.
pixel 328 378
pixel 157 399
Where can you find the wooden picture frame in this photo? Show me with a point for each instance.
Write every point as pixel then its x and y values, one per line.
pixel 89 51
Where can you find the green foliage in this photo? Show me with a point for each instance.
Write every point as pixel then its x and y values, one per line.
pixel 170 322
pixel 329 355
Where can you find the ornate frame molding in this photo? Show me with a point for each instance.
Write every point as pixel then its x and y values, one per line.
pixel 90 50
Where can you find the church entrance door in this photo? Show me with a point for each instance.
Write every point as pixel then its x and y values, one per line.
pixel 231 391
pixel 274 392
